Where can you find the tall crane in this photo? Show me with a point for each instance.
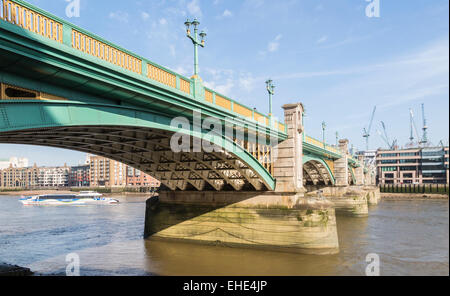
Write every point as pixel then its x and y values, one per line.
pixel 385 137
pixel 413 129
pixel 424 140
pixel 366 132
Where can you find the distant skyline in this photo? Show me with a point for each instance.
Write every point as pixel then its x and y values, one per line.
pixel 326 54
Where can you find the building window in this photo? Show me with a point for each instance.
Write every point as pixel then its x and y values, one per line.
pixel 408 161
pixel 389 169
pixel 389 155
pixel 408 168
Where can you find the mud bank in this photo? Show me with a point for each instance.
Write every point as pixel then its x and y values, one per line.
pixel 412 196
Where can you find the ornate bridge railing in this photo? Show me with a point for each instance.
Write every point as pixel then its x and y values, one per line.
pixel 38 21
pixel 31 20
pixel 323 146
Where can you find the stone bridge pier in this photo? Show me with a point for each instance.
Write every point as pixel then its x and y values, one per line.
pixel 280 220
pixel 347 199
pixel 359 172
pixel 341 165
pixel 353 200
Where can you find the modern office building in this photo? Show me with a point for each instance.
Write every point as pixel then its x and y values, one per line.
pixel 413 166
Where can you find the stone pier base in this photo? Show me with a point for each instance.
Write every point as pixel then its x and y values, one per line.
pixel 373 194
pixel 350 200
pixel 272 221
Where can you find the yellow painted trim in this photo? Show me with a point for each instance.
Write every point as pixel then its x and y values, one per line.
pixel 40 96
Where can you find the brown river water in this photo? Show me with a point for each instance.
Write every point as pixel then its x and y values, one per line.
pixel 411 237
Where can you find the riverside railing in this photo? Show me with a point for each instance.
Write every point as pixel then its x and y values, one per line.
pixel 38 21
pixel 415 188
pixel 320 144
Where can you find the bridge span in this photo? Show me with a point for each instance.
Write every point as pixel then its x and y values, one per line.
pixel 230 174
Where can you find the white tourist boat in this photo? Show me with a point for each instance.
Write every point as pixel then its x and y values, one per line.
pixel 83 198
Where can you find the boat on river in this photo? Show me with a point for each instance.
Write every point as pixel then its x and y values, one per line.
pixel 83 198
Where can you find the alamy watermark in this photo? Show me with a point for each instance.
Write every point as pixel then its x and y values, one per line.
pixel 373 8
pixel 373 266
pixel 73 8
pixel 211 134
pixel 73 264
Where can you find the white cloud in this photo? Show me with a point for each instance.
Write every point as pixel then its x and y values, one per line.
pixel 120 16
pixel 162 21
pixel 275 44
pixel 182 70
pixel 254 3
pixel 322 39
pixel 173 52
pixel 145 16
pixel 247 82
pixel 227 13
pixel 401 81
pixel 221 81
pixel 194 8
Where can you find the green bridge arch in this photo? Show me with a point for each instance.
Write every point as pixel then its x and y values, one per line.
pixel 311 158
pixel 123 133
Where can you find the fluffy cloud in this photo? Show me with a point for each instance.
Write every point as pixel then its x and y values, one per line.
pixel 275 44
pixel 194 8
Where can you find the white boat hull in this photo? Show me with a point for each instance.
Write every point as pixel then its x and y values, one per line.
pixel 79 200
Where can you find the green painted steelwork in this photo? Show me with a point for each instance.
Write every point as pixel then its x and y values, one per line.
pixel 307 158
pixel 28 115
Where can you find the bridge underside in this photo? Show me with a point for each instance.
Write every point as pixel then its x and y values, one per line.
pixel 316 173
pixel 149 151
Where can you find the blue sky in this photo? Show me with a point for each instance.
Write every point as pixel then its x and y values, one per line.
pixel 326 54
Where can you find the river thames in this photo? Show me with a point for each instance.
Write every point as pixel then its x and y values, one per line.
pixel 411 237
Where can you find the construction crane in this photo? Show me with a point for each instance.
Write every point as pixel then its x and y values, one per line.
pixel 366 132
pixel 424 140
pixel 385 137
pixel 413 129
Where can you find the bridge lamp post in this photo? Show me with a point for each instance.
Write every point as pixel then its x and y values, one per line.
pixel 324 126
pixel 195 40
pixel 271 90
pixel 337 139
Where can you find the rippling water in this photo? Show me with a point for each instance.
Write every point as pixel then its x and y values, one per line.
pixel 410 237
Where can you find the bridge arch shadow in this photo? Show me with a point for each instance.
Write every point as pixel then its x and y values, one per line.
pixel 316 172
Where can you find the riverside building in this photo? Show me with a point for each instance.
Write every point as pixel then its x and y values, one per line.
pixel 413 166
pixel 53 176
pixel 105 172
pixel 14 177
pixel 136 178
pixel 79 176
